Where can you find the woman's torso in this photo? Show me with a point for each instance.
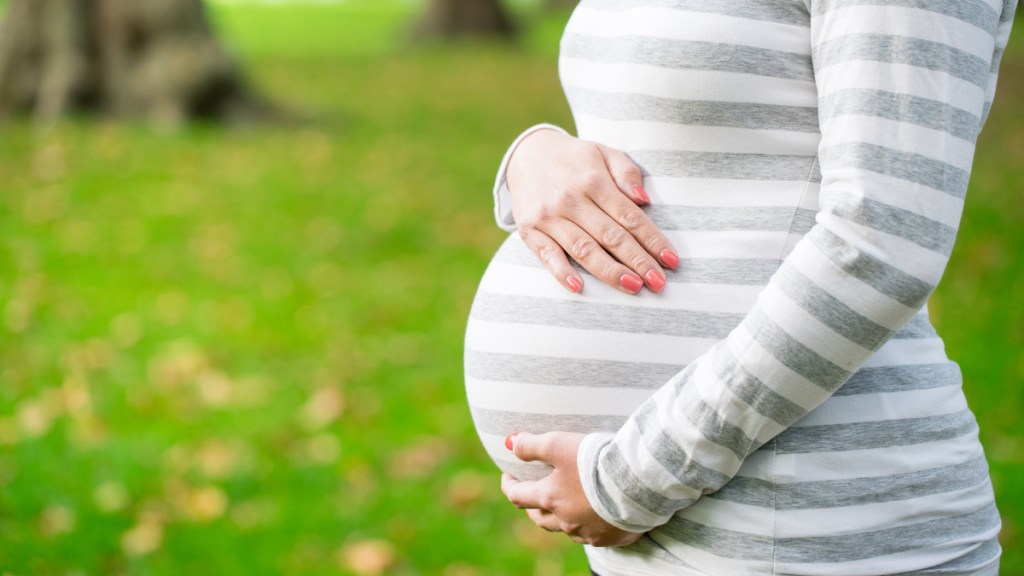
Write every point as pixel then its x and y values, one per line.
pixel 716 103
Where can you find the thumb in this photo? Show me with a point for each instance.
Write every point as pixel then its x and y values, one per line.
pixel 627 176
pixel 528 447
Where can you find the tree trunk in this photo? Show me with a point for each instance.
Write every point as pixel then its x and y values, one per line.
pixel 157 59
pixel 444 19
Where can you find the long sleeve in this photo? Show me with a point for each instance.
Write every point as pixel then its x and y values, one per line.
pixel 903 89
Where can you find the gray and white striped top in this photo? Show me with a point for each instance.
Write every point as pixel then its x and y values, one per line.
pixel 784 406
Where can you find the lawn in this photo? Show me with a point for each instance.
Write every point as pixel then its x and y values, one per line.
pixel 239 351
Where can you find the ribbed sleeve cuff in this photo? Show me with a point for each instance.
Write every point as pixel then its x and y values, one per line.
pixel 502 199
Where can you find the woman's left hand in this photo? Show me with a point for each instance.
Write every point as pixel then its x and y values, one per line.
pixel 557 502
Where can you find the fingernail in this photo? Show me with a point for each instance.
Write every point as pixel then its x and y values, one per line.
pixel 575 284
pixel 655 280
pixel 641 194
pixel 631 282
pixel 670 258
pixel 508 440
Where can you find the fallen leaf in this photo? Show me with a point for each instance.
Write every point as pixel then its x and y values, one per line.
pixel 367 557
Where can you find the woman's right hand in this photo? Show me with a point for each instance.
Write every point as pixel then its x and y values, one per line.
pixel 579 199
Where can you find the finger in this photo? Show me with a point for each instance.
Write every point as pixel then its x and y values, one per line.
pixel 593 256
pixel 522 494
pixel 641 229
pixel 544 519
pixel 621 242
pixel 626 174
pixel 553 257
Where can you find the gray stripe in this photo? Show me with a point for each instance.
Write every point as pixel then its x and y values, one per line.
pixel 918 328
pixel 792 353
pixel 672 457
pixel 641 107
pixel 924 232
pixel 908 166
pixel 803 221
pixel 734 271
pixel 718 430
pixel 550 371
pixel 723 165
pixel 526 470
pixel 893 282
pixel 854 491
pixel 903 50
pixel 751 390
pixel 885 379
pixel 918 536
pixel 500 422
pixel 985 553
pixel 726 219
pixel 974 12
pixel 831 549
pixel 719 541
pixel 931 114
pixel 831 311
pixel 762 10
pixel 684 55
pixel 595 316
pixel 871 435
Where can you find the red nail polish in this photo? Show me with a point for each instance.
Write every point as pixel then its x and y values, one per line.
pixel 631 282
pixel 670 258
pixel 508 440
pixel 655 280
pixel 641 194
pixel 575 284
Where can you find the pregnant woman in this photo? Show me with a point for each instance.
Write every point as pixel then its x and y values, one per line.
pixel 749 382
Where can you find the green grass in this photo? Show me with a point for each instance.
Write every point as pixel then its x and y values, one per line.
pixel 171 302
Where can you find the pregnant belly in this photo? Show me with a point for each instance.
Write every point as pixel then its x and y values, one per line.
pixel 539 359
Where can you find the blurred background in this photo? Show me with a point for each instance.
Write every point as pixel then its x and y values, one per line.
pixel 238 245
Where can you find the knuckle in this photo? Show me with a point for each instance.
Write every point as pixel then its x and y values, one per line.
pixel 547 502
pixel 633 219
pixel 614 236
pixel 639 262
pixel 631 171
pixel 582 248
pixel 610 272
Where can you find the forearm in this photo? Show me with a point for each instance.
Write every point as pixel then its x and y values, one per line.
pixel 902 93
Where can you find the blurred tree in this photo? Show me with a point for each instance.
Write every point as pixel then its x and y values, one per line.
pixel 560 4
pixel 152 58
pixel 463 18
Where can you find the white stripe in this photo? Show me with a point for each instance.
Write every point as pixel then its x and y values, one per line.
pixel 724 193
pixel 888 406
pixel 901 79
pixel 912 138
pixel 686 84
pixel 530 339
pixel 903 21
pixel 554 399
pixel 873 462
pixel 909 353
pixel 512 280
pixel 727 244
pixel 677 24
pixel 650 135
pixel 815 522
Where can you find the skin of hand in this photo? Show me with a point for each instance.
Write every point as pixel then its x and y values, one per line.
pixel 557 502
pixel 579 199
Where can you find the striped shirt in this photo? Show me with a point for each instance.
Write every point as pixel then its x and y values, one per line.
pixel 784 406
